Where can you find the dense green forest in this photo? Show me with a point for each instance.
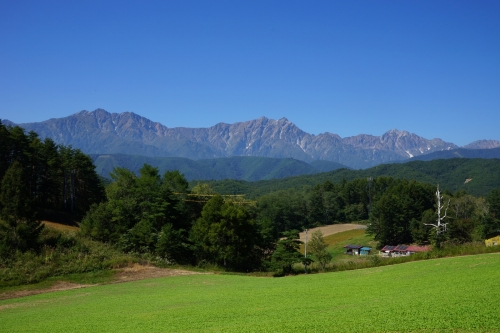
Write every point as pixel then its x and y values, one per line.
pixel 40 180
pixel 161 217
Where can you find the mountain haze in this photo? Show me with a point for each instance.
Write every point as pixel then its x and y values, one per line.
pixel 101 132
pixel 249 168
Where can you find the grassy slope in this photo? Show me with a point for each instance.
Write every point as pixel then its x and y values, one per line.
pixel 81 260
pixel 448 295
pixel 338 241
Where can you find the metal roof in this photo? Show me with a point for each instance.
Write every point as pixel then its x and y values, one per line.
pixel 406 248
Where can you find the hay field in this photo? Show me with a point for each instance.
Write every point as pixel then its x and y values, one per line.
pixel 447 295
pixel 61 227
pixel 331 229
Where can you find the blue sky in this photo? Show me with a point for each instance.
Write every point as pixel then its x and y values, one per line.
pixel 345 67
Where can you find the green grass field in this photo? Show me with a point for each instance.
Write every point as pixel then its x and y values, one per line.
pixel 457 294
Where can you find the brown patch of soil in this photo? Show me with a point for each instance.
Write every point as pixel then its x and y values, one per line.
pixel 331 229
pixel 59 285
pixel 139 272
pixel 133 273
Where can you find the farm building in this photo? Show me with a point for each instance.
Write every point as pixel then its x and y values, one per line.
pixel 402 250
pixel 352 249
pixel 386 251
pixel 365 250
pixel 492 239
pixel 357 249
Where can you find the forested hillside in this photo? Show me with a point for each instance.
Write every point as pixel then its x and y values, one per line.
pixel 249 168
pixel 476 176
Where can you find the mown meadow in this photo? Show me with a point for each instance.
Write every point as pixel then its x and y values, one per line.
pixel 458 294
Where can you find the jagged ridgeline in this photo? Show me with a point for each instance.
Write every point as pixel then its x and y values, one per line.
pixel 101 132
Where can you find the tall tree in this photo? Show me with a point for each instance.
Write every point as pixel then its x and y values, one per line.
pixel 492 223
pixel 318 248
pixel 440 227
pixel 287 252
pixel 392 214
pixel 19 226
pixel 226 234
pixel 140 211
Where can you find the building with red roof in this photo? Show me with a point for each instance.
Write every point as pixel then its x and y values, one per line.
pixel 402 250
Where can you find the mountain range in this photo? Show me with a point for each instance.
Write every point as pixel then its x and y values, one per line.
pixel 101 132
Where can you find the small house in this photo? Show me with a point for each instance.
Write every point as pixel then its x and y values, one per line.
pixel 400 251
pixel 365 250
pixel 386 251
pixel 352 249
pixel 492 239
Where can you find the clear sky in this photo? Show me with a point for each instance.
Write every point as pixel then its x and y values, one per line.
pixel 345 67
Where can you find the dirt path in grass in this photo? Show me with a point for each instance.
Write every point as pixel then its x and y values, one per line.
pixel 331 229
pixel 136 272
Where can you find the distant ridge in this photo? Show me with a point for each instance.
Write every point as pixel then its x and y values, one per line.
pixel 483 144
pixel 460 153
pixel 247 168
pixel 450 174
pixel 101 132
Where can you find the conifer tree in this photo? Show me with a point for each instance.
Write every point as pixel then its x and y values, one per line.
pixel 287 252
pixel 19 227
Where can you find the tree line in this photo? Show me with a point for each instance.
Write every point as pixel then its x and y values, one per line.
pixel 397 211
pixel 38 180
pixel 161 215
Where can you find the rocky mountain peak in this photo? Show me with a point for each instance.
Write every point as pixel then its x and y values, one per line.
pixel 102 132
pixel 483 144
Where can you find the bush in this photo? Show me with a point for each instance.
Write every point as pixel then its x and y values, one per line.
pixel 70 255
